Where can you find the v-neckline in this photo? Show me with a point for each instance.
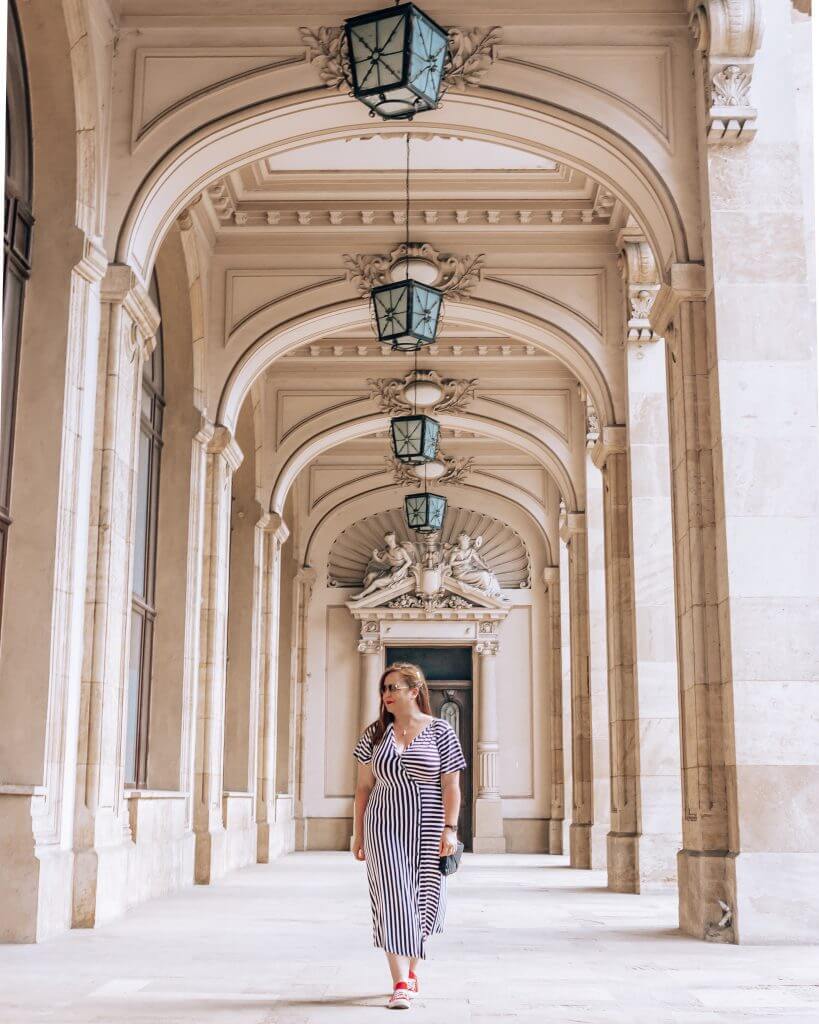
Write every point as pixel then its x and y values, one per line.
pixel 414 738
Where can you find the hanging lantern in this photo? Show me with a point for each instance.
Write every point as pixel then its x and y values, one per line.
pixel 397 60
pixel 407 314
pixel 414 438
pixel 425 512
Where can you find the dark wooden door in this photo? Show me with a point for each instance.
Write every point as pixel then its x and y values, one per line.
pixel 448 671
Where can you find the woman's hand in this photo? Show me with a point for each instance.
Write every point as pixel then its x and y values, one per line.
pixel 358 847
pixel 449 842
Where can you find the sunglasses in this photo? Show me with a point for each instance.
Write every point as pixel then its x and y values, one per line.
pixel 393 688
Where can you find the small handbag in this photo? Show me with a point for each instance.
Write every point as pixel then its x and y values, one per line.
pixel 449 864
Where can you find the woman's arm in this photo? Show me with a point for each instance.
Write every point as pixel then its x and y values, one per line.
pixel 451 795
pixel 363 788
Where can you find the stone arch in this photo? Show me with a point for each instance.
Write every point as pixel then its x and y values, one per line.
pixel 364 425
pixel 382 497
pixel 278 340
pixel 191 164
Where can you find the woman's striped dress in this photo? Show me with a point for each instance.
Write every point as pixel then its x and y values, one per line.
pixel 402 835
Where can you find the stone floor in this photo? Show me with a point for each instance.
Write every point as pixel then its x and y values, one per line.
pixel 289 943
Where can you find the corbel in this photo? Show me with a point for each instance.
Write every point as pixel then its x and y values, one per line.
pixel 727 34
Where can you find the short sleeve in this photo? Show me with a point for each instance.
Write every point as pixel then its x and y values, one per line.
pixel 363 751
pixel 449 748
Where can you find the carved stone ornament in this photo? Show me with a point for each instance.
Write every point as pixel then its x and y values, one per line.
pixel 592 426
pixel 641 280
pixel 457 278
pixel 431 603
pixel 728 34
pixel 377 556
pixel 389 392
pixel 455 472
pixel 470 54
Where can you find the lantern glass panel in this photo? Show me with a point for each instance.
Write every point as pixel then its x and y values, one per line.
pixel 407 314
pixel 414 438
pixel 397 60
pixel 425 512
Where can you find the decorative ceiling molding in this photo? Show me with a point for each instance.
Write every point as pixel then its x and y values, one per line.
pixel 456 470
pixel 457 393
pixel 470 55
pixel 442 349
pixel 503 550
pixel 458 276
pixel 728 34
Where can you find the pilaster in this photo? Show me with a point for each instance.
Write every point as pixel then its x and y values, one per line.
pixel 488 829
pixel 551 579
pixel 222 458
pixel 304 584
pixel 573 534
pixel 101 830
pixel 271 534
pixel 371 651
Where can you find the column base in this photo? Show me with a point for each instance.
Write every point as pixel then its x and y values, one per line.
pixel 277 837
pixel 556 836
pixel 35 882
pixel 580 846
pixel 210 855
pixel 100 891
pixel 623 861
pixel 704 879
pixel 488 837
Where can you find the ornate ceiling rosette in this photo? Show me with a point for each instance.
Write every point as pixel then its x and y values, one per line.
pixel 456 276
pixel 502 549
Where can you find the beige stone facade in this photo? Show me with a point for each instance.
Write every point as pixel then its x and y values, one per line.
pixel 614 199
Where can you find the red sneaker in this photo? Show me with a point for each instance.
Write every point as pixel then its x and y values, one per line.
pixel 400 998
pixel 413 983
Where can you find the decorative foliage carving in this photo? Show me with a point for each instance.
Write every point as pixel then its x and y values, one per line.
pixel 457 393
pixel 457 276
pixel 455 472
pixel 431 603
pixel 471 53
pixel 731 87
pixel 327 51
pixel 592 426
pixel 642 283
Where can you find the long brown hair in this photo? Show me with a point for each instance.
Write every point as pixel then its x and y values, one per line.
pixel 414 677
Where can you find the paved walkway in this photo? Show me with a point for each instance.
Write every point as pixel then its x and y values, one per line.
pixel 289 943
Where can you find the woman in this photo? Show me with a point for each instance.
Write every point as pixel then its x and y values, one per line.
pixel 407 800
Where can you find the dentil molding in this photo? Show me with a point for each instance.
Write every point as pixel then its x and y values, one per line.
pixel 728 34
pixel 458 276
pixel 470 54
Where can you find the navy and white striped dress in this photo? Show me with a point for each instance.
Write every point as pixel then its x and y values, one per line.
pixel 402 834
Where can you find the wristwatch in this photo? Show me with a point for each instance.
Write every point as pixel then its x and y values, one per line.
pixel 452 828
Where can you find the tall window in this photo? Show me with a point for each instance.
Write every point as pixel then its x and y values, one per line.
pixel 17 227
pixel 143 610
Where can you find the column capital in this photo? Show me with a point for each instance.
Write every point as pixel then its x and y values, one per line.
pixel 612 441
pixel 728 34
pixel 686 284
pixel 572 523
pixel 487 647
pixel 551 576
pixel 121 286
pixel 370 646
pixel 219 440
pixel 273 524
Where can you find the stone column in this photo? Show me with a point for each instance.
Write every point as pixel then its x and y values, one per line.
pixel 489 837
pixel 742 410
pixel 610 457
pixel 127 326
pixel 303 585
pixel 653 557
pixel 551 577
pixel 598 667
pixel 223 457
pixel 271 534
pixel 372 665
pixel 573 535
